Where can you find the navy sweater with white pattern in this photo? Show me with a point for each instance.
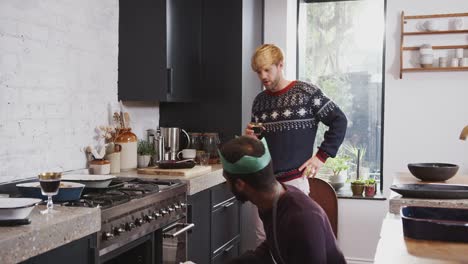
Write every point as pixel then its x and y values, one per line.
pixel 291 117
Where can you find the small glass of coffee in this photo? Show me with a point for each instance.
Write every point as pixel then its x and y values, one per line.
pixel 258 129
pixel 50 184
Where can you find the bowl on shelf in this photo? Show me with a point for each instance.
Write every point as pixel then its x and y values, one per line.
pixel 433 171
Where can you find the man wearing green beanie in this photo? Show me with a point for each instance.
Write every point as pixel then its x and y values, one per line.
pixel 297 229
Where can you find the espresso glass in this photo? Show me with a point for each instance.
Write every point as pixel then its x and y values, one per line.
pixel 50 183
pixel 257 129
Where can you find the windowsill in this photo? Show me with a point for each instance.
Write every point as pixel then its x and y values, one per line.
pixel 346 193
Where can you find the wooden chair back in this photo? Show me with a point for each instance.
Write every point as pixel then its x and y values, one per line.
pixel 324 194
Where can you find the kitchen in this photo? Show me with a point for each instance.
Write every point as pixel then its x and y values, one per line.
pixel 59 74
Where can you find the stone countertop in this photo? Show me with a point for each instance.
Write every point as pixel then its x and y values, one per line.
pixel 195 184
pixel 47 232
pixel 396 201
pixel 393 247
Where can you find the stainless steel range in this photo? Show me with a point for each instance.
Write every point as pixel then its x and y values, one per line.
pixel 143 221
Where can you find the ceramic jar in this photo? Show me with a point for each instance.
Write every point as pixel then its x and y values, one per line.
pixel 114 159
pixel 99 166
pixel 128 154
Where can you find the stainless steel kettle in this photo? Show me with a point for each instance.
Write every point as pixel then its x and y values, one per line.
pixel 171 140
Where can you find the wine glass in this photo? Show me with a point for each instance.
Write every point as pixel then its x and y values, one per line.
pixel 50 183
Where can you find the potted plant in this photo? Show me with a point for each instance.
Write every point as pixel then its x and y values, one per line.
pixel 370 188
pixel 357 187
pixel 338 166
pixel 145 150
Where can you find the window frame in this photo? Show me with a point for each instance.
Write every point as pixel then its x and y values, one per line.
pixel 382 115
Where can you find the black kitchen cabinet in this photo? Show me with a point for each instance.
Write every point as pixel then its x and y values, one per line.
pixel 231 31
pixel 159 50
pixel 216 235
pixel 199 212
pixel 83 250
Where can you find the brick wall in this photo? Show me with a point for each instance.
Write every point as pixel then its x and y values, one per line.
pixel 58 74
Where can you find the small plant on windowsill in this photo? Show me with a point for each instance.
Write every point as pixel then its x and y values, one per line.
pixel 339 167
pixel 370 188
pixel 145 150
pixel 357 187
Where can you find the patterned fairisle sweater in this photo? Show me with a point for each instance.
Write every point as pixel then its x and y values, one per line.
pixel 291 117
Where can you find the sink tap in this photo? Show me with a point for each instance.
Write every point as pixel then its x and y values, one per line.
pixel 464 133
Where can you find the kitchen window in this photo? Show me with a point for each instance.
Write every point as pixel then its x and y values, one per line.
pixel 341 49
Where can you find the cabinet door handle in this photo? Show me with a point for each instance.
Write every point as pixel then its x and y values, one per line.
pixel 169 80
pixel 228 204
pixel 228 248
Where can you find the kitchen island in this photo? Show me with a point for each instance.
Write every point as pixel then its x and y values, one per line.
pixel 393 247
pixel 47 232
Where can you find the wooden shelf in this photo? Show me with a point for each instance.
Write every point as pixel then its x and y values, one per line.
pixel 434 69
pixel 436 16
pixel 403 21
pixel 439 47
pixel 464 31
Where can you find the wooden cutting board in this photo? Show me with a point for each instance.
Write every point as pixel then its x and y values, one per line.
pixel 197 170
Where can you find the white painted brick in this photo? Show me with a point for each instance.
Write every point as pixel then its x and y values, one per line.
pixel 33 32
pixel 58 72
pixel 8 27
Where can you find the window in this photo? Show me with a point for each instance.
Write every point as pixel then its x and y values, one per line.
pixel 340 49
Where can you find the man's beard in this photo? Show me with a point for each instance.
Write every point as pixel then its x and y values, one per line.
pixel 274 84
pixel 239 195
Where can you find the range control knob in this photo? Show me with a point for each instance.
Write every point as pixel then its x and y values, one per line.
pixel 183 205
pixel 149 218
pixel 129 226
pixel 107 236
pixel 156 215
pixel 118 231
pixel 177 206
pixel 164 212
pixel 139 221
pixel 170 209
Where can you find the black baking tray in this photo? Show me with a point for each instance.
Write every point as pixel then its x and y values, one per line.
pixel 15 222
pixel 432 191
pixel 172 164
pixel 432 223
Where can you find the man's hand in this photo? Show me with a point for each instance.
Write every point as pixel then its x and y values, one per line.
pixel 311 167
pixel 249 131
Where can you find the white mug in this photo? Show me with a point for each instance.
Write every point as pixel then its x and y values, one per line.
pixel 430 25
pixel 464 62
pixel 454 62
pixel 459 53
pixel 442 62
pixel 457 24
pixel 187 153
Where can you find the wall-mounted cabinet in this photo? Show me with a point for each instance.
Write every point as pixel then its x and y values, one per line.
pixel 438 34
pixel 159 50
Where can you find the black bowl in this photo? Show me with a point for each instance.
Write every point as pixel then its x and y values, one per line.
pixel 433 171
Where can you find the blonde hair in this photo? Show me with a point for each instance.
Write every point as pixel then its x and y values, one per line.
pixel 266 54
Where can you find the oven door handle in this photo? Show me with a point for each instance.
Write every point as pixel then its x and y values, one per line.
pixel 186 227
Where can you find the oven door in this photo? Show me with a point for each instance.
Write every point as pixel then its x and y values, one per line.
pixel 174 242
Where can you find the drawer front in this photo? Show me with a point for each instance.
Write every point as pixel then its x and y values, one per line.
pixel 220 193
pixel 228 252
pixel 224 223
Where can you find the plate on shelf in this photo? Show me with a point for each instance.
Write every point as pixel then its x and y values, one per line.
pixel 431 191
